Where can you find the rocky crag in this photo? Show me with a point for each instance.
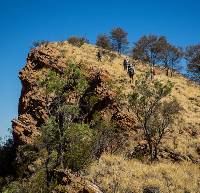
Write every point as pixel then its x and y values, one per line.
pixel 54 56
pixel 181 143
pixel 32 113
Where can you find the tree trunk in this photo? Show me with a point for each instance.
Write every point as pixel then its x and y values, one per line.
pixel 62 159
pixel 155 152
pixel 47 171
pixel 150 151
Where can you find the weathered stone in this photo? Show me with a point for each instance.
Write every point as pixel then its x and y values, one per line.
pixel 32 106
pixel 73 183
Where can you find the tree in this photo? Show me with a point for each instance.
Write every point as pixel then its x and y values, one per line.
pixel 77 41
pixel 192 55
pixel 103 41
pixel 154 114
pixel 65 89
pixel 170 57
pixel 119 39
pixel 148 48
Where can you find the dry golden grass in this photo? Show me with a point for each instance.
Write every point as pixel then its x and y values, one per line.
pixel 115 174
pixel 184 137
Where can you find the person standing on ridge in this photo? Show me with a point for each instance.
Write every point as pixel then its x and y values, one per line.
pixel 99 56
pixel 131 71
pixel 125 63
pixel 152 72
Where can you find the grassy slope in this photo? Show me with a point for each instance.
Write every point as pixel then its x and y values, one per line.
pixel 115 174
pixel 184 137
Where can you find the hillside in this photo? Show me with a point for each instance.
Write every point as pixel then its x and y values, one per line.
pixel 179 157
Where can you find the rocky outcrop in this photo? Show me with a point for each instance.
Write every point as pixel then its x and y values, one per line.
pixel 71 183
pixel 32 106
pixel 24 129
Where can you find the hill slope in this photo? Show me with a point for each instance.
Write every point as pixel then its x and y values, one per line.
pixel 182 143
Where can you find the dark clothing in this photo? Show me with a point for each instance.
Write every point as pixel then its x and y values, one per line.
pixel 131 71
pixel 125 64
pixel 98 56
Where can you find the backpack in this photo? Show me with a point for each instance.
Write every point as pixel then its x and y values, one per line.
pixel 131 69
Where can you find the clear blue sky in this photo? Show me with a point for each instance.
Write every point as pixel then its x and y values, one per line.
pixel 24 21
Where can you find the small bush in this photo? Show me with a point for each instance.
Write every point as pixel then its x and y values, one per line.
pixel 40 43
pixel 35 183
pixel 77 41
pixel 80 140
pixel 26 154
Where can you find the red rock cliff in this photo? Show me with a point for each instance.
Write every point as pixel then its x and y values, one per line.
pixel 32 104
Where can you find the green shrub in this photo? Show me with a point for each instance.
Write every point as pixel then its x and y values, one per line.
pixel 80 139
pixel 26 154
pixel 35 183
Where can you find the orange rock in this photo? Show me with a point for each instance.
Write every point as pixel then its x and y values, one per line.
pixel 32 106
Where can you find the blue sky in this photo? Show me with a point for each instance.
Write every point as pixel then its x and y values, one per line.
pixel 24 21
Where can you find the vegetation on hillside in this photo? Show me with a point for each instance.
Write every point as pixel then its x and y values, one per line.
pixel 76 138
pixel 115 174
pixel 77 41
pixel 154 114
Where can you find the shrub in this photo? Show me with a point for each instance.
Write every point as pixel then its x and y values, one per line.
pixel 26 154
pixel 40 43
pixel 35 183
pixel 80 141
pixel 77 41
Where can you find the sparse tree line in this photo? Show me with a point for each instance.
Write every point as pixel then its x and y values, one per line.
pixel 150 49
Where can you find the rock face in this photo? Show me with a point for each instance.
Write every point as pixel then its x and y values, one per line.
pixel 32 113
pixel 73 184
pixel 31 108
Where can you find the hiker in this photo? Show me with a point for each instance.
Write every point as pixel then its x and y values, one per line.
pixel 152 72
pixel 125 63
pixel 99 56
pixel 131 71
